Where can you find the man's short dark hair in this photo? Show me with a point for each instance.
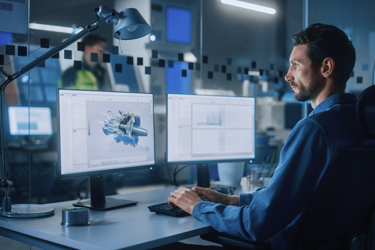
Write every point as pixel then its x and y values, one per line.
pixel 92 39
pixel 324 41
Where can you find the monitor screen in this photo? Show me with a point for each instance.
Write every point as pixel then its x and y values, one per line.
pixel 103 132
pixel 210 128
pixel 30 120
pixel 179 25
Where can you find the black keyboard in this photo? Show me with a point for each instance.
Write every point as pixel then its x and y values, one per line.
pixel 164 208
pixel 224 189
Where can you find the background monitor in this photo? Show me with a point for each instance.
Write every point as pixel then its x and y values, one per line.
pixel 35 122
pixel 178 25
pixel 103 132
pixel 30 120
pixel 209 129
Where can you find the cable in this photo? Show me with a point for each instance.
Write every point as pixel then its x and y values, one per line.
pixel 175 174
pixel 80 186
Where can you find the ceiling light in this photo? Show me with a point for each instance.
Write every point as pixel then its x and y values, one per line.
pixel 250 6
pixel 54 28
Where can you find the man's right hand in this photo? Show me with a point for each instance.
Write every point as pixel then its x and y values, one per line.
pixel 217 197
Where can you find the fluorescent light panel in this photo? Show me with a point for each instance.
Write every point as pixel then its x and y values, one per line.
pixel 54 28
pixel 250 6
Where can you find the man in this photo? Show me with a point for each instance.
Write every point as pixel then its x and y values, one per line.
pixel 321 62
pixel 92 75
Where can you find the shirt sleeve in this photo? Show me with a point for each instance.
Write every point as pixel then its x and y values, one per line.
pixel 263 214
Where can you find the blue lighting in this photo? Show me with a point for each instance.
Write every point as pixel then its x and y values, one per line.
pixel 5 38
pixel 174 82
pixel 179 24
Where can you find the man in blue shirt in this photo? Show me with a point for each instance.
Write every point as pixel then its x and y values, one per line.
pixel 321 62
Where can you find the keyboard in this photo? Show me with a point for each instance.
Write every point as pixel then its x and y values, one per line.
pixel 224 189
pixel 164 208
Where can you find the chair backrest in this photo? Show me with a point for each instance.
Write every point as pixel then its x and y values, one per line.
pixel 344 204
pixel 366 112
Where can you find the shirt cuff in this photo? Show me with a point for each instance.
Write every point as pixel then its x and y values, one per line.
pixel 198 208
pixel 246 199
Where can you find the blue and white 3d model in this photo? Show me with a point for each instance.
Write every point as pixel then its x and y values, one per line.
pixel 125 127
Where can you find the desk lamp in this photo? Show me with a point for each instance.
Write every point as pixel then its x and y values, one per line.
pixel 129 25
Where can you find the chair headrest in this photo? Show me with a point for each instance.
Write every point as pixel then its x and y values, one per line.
pixel 366 111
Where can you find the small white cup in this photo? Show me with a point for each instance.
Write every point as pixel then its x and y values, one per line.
pixel 230 173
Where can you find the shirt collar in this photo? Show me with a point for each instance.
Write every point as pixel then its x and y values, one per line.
pixel 341 98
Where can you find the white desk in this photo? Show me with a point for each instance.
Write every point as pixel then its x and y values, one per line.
pixel 133 227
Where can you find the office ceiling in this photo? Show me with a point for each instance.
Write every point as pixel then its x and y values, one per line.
pixel 69 13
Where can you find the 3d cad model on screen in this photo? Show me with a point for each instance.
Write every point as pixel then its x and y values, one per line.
pixel 125 127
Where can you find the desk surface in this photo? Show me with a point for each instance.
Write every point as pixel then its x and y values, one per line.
pixel 132 227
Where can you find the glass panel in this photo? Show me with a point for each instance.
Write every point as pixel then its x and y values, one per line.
pixel 195 47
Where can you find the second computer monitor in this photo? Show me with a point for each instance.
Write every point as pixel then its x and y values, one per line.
pixel 207 129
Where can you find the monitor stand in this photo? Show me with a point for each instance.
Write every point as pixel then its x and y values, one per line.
pixel 203 175
pixel 97 200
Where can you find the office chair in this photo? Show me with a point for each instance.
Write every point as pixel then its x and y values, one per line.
pixel 348 182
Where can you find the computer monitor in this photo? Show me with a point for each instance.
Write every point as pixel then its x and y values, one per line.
pixel 179 25
pixel 33 121
pixel 104 132
pixel 209 129
pixel 30 120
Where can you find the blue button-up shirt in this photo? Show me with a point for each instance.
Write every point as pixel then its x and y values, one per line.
pixel 274 214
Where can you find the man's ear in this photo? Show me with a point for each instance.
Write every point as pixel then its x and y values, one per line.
pixel 328 65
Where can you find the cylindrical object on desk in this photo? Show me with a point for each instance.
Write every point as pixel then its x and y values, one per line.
pixel 230 173
pixel 77 216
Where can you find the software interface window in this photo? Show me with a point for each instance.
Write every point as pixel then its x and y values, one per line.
pixel 33 120
pixel 204 128
pixel 105 130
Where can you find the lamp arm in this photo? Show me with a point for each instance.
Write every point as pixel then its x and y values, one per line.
pixel 6 206
pixel 55 50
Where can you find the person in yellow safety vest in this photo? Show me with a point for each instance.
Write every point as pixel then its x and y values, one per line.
pixel 92 75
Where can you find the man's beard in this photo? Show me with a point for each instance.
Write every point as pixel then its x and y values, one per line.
pixel 307 93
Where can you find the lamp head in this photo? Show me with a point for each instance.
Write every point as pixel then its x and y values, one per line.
pixel 129 23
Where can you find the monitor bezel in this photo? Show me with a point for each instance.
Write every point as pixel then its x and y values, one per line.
pixel 213 161
pixel 99 172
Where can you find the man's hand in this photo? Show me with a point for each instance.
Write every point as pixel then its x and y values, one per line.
pixel 217 197
pixel 184 198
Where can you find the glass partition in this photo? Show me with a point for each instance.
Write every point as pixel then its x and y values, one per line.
pixel 195 47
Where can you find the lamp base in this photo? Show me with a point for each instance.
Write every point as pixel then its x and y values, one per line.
pixel 28 211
